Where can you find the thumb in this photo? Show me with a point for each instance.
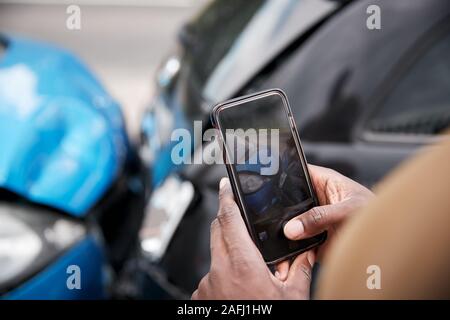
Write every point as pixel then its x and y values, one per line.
pixel 315 220
pixel 229 217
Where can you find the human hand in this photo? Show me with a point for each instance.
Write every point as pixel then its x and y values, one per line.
pixel 238 270
pixel 339 198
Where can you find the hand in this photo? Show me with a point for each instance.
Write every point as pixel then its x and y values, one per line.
pixel 238 270
pixel 339 197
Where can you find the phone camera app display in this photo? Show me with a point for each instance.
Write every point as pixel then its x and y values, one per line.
pixel 269 172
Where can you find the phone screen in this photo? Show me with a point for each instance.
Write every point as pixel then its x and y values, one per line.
pixel 269 171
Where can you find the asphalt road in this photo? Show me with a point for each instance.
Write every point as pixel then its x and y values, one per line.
pixel 122 45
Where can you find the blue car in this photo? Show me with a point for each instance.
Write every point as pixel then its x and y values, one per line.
pixel 70 193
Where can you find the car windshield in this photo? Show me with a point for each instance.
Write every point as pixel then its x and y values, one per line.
pixel 211 35
pixel 226 46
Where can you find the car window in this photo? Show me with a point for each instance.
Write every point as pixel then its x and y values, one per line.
pixel 331 87
pixel 214 32
pixel 419 104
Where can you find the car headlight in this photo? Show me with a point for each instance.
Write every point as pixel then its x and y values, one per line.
pixel 168 71
pixel 30 238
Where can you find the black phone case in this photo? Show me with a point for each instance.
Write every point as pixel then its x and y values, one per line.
pixel 214 120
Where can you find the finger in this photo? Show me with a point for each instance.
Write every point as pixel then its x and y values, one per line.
pixel 316 220
pixel 202 291
pixel 226 196
pixel 281 270
pixel 322 178
pixel 322 173
pixel 233 229
pixel 300 272
pixel 319 178
pixel 217 246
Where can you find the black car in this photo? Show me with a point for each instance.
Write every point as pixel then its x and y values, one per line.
pixel 363 99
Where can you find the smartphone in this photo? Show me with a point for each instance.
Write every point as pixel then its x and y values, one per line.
pixel 267 169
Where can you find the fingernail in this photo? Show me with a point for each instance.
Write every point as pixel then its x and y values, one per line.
pixel 294 229
pixel 222 183
pixel 277 274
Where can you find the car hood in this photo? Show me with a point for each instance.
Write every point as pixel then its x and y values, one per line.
pixel 62 137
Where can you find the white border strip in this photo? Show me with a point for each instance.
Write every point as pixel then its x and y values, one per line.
pixel 122 3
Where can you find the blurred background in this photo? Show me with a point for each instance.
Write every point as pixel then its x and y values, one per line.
pixel 87 181
pixel 122 42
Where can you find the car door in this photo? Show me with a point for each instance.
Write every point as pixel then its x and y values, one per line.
pixel 353 103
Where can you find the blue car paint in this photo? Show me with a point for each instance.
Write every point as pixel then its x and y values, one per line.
pixel 162 166
pixel 62 138
pixel 62 143
pixel 51 283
